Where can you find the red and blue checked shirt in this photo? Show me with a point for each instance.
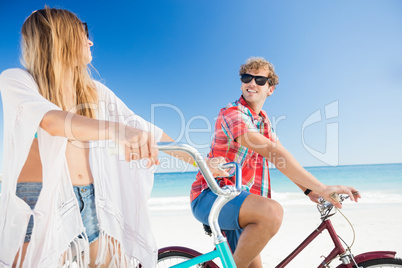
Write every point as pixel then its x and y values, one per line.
pixel 233 121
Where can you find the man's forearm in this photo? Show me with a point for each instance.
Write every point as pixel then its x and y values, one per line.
pixel 289 166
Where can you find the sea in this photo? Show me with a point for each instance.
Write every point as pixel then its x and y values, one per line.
pixel 377 184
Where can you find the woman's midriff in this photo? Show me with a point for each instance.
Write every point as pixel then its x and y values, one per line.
pixel 77 155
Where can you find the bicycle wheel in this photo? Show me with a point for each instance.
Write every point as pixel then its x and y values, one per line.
pixel 173 257
pixel 382 263
pixel 170 258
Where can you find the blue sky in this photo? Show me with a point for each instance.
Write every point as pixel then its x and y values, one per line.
pixel 176 63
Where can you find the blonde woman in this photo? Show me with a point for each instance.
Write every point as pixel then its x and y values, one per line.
pixel 60 127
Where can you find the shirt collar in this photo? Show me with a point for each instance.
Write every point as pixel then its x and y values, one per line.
pixel 243 102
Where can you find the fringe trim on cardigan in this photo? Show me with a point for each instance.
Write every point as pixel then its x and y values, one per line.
pixel 118 257
pixel 77 252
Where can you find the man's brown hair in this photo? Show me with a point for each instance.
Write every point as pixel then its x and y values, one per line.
pixel 258 63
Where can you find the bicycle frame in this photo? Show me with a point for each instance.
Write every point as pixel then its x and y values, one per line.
pixel 325 225
pixel 222 249
pixel 337 250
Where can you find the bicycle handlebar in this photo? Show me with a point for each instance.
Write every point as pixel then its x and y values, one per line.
pixel 213 185
pixel 238 173
pixel 324 207
pixel 326 203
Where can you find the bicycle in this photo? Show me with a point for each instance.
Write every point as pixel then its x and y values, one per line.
pixel 183 257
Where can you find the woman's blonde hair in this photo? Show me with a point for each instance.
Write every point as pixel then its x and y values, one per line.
pixel 53 50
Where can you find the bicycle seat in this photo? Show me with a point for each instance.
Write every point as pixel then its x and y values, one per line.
pixel 207 229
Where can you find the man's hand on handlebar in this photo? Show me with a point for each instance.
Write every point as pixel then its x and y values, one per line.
pixel 331 194
pixel 314 197
pixel 213 165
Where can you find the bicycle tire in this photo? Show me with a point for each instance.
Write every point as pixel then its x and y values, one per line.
pixel 173 257
pixel 381 263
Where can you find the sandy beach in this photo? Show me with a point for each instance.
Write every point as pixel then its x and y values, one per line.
pixel 377 227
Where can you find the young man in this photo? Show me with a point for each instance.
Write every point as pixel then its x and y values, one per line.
pixel 243 134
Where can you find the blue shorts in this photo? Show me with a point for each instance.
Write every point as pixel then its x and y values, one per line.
pixel 228 218
pixel 29 192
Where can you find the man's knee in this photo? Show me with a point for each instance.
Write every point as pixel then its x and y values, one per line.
pixel 272 213
pixel 262 211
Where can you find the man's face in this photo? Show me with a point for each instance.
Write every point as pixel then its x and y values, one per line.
pixel 252 92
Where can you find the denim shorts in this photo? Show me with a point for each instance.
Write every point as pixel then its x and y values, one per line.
pixel 29 192
pixel 228 218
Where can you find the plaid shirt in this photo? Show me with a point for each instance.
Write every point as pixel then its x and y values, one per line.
pixel 233 121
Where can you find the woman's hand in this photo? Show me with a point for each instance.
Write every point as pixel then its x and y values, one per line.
pixel 213 165
pixel 329 194
pixel 138 144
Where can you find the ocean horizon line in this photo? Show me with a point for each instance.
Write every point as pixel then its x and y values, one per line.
pixel 322 166
pixel 344 165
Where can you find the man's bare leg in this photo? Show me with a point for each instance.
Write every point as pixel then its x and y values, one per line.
pixel 260 218
pixel 256 263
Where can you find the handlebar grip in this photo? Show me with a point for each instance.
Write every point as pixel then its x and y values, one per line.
pixel 335 196
pixel 238 174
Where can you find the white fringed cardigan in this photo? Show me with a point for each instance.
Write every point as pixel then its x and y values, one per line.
pixel 122 188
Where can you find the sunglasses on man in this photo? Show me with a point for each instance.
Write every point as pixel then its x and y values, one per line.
pixel 259 80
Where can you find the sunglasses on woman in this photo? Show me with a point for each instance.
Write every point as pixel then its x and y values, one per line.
pixel 259 80
pixel 86 29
